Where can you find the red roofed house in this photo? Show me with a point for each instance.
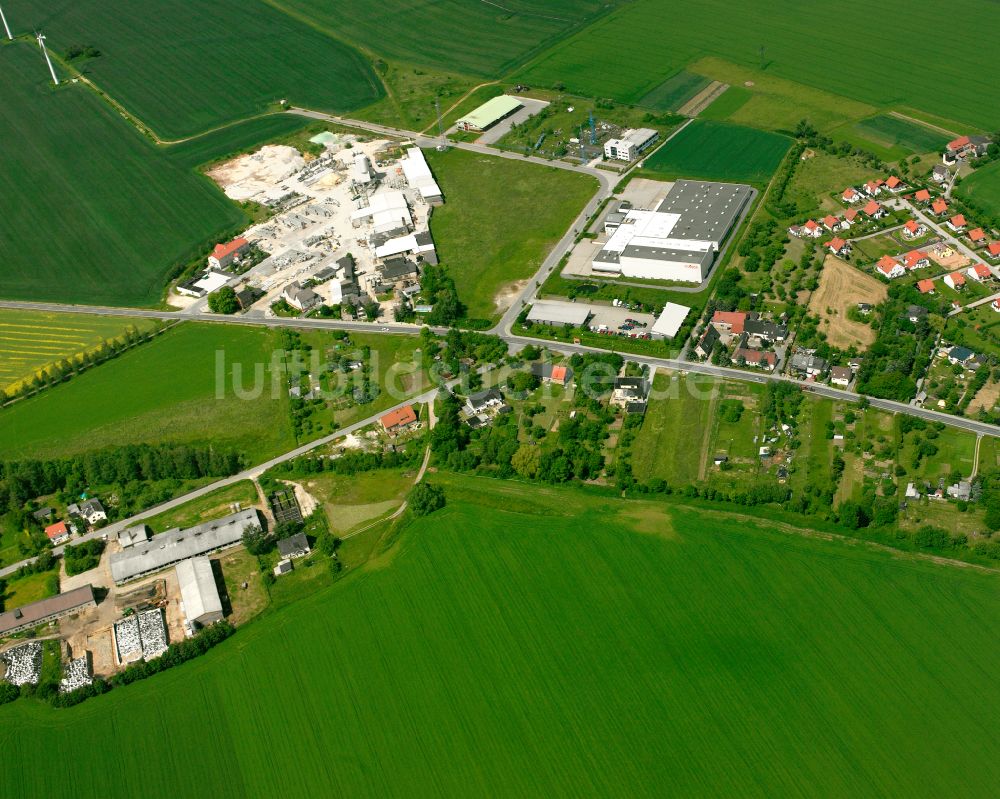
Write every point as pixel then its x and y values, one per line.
pixel 729 322
pixel 850 215
pixel 940 207
pixel 994 249
pixel 58 532
pixel 831 223
pixel 873 187
pixel 915 259
pixel 225 254
pixel 957 223
pixel 959 144
pixel 966 147
pixel 912 229
pixel 874 210
pixel 926 286
pixel 399 419
pixel 977 236
pixel 955 281
pixel 889 267
pixel 895 184
pixel 922 196
pixel 812 228
pixel 759 358
pixel 996 305
pixel 979 272
pixel 850 195
pixel 838 246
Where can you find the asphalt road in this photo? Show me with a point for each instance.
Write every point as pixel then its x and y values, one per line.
pixel 503 328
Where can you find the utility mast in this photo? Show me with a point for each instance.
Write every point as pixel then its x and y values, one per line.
pixel 52 71
pixel 6 27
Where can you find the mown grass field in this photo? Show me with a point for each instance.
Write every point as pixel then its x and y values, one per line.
pixel 164 391
pixel 660 38
pixel 211 506
pixel 983 186
pixel 183 68
pixel 719 151
pixel 529 641
pixel 484 39
pixel 499 221
pixel 675 91
pixel 92 212
pixel 672 442
pixel 31 340
pixel 893 131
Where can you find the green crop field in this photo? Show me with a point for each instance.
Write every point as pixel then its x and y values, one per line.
pixel 183 67
pixel 983 187
pixel 719 151
pixel 229 141
pixel 626 54
pixel 30 340
pixel 163 391
pixel 484 39
pixel 727 103
pixel 92 212
pixel 675 91
pixel 528 641
pixel 499 221
pixel 893 131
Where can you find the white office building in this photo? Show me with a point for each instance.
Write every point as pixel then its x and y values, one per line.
pixel 630 144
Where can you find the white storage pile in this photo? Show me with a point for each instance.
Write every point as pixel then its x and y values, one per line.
pixel 153 632
pixel 75 675
pixel 24 664
pixel 143 635
pixel 127 640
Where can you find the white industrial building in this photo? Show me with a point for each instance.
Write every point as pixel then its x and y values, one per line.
pixel 669 321
pixel 554 312
pixel 630 144
pixel 199 593
pixel 680 239
pixel 176 545
pixel 388 212
pixel 419 176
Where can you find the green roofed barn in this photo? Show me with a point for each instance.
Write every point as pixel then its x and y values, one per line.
pixel 489 113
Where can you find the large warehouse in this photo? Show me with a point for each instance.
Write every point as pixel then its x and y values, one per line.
pixel 556 313
pixel 199 593
pixel 174 546
pixel 680 239
pixel 489 113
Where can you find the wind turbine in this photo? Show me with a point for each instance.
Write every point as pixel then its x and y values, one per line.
pixel 6 27
pixel 52 71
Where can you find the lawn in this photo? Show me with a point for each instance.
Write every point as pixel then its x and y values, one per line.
pixel 92 212
pixel 166 391
pixel 710 150
pixel 821 176
pixel 500 219
pixel 529 641
pixel 627 53
pixel 183 68
pixel 484 39
pixel 672 443
pixel 213 505
pixel 983 188
pixel 354 500
pixel 30 340
pixel 31 588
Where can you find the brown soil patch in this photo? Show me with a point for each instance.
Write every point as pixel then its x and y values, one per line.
pixel 986 399
pixel 507 294
pixel 948 257
pixel 841 287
